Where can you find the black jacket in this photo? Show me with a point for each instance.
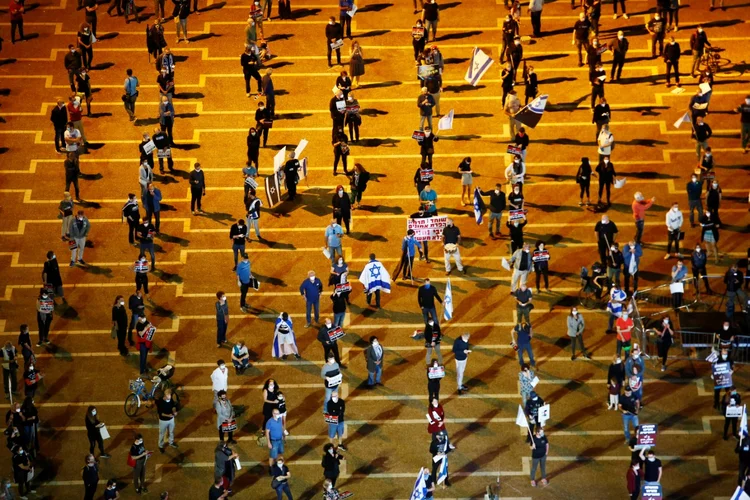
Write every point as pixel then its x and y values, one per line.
pixel 59 117
pixel 602 114
pixel 334 32
pixel 428 143
pixel 497 201
pixel 672 52
pixel 330 464
pixel 426 296
pixel 161 140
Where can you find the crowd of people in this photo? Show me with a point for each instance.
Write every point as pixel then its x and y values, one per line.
pixel 626 373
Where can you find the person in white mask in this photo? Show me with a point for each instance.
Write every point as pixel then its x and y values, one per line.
pixel 219 378
pixel 674 221
pixel 374 356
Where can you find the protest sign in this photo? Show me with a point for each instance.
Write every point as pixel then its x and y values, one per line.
pixel 651 492
pixel 428 228
pixel 722 375
pixel 646 436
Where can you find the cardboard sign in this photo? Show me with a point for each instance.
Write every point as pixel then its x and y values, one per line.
pixel 229 426
pixel 426 175
pixel 337 44
pixel 722 375
pixel 341 105
pixel 676 288
pixel 651 492
pixel 141 267
pixel 514 150
pixel 149 147
pixel 543 415
pixel 46 306
pixel 352 108
pixel 334 381
pixel 646 436
pixel 418 135
pixel 601 49
pixel 164 153
pixel 436 372
pixel 417 32
pixel 335 334
pixel 538 256
pixel 343 495
pixel 428 228
pixel 427 71
pixel 104 433
pixel 351 13
pixel 733 411
pixel 148 333
pixel 331 419
pixel 343 287
pixel 516 215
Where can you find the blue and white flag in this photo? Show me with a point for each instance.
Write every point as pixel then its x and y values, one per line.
pixel 479 207
pixel 739 494
pixel 530 114
pixel 420 487
pixel 443 470
pixel 448 302
pixel 743 424
pixel 480 63
pixel 375 277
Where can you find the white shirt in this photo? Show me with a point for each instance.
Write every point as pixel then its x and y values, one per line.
pixel 674 220
pixel 219 379
pixel 605 140
pixel 72 134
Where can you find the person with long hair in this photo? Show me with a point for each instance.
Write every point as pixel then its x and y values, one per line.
pixel 270 399
pixel 356 63
pixel 464 170
pixel 358 179
pixel 583 179
pixel 433 383
pixel 93 431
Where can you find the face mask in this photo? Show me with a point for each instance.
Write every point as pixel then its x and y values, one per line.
pixel 516 190
pixel 335 400
pixel 93 412
pixel 18 410
pixel 72 51
pixel 20 452
pixel 700 30
pixel 526 250
pixel 223 367
pixel 625 316
pixel 427 285
pixel 312 279
pixel 656 18
pixel 80 218
pixel 341 262
pixel 341 192
pixel 541 247
pixel 330 22
pixel 375 343
pixel 606 161
pixel 614 249
pixel 517 160
pixel 708 155
pixel 44 296
pixel 515 224
pixel 261 108
pixel 427 134
pixel 517 42
pixel 575 312
pixel 726 327
pixel 535 398
pixel 168 399
pixel 279 463
pixel 497 191
pixel 431 323
pixel 541 434
pixel 675 209
pixel 620 37
pixel 223 299
pixel 140 442
pixel 715 184
pixel 276 417
pixel 328 324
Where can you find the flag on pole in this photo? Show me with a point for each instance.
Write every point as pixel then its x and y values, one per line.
pixel 530 114
pixel 446 122
pixel 743 423
pixel 739 494
pixel 521 418
pixel 273 190
pixel 443 470
pixel 479 207
pixel 420 487
pixel 448 301
pixel 683 119
pixel 480 63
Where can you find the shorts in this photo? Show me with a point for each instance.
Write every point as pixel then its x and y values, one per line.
pixel 333 429
pixel 277 448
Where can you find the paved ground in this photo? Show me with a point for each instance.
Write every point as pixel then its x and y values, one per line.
pixel 386 432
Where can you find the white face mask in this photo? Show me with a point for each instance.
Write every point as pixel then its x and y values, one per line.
pixel 168 399
pixel 708 155
pixel 515 224
pixel 575 312
pixel 427 133
pixel 606 161
pixel 261 108
pixel 700 30
pixel 541 247
pixel 341 192
pixel 497 191
pixel 715 184
pixel 312 279
pixel 335 400
pixel 614 249
pixel 223 367
pixel 328 324
pixel 747 101
pixel 375 343
pixel 341 262
pixel 330 22
pixel 675 209
pixel 93 412
pixel 620 37
pixel 139 442
pixel 624 315
pixel 726 327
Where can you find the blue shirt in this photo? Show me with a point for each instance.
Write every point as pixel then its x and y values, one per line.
pixel 243 272
pixel 311 290
pixel 131 83
pixel 275 429
pixel 333 235
pixel 411 245
pixel 524 336
pixel 459 346
pixel 431 196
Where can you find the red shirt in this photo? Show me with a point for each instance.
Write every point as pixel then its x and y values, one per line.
pixel 74 114
pixel 624 326
pixel 16 11
pixel 640 207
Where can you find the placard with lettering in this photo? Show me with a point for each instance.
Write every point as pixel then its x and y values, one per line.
pixel 46 306
pixel 164 153
pixel 335 334
pixel 343 287
pixel 539 256
pixel 141 267
pixel 337 44
pixel 427 70
pixel 514 150
pixel 646 436
pixel 428 228
pixel 149 332
pixel 516 215
pixel 426 175
pixel 341 105
pixel 417 32
pixel 651 492
pixel 435 372
pixel 733 411
pixel 331 419
pixel 418 135
pixel 352 108
pixel 722 375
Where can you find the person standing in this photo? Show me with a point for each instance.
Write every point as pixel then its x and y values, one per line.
pixel 629 406
pixel 431 17
pixel 539 450
pixel 51 276
pixel 145 234
pixel 131 87
pixel 698 42
pixel 138 456
pixel 374 356
pixel 535 10
pixel 333 234
pixel 605 142
pixel 311 289
pixel 120 323
pixel 224 465
pixel 631 253
pixel 664 341
pixel 521 336
pixel 225 418
pixel 90 476
pixel 281 475
pixel 425 103
pixel 330 346
pixel 657 28
pixel 334 34
pixel 580 39
pixel 541 259
pixel 672 60
pixel 606 232
pixel 330 462
pixel 674 222
pixel 710 233
pixel 238 235
pixel 624 326
pixel 703 133
pixel 79 231
pixel 426 295
pixel 290 175
pixel 336 407
pixel 180 14
pixel 357 60
pixel 432 339
pixel 743 109
pixel 633 478
pixel 136 306
pixel 510 29
pixel 243 276
pixel 576 325
pixel 250 62
pixel 451 247
pixel 619 48
pixel 197 188
pixel 59 119
pixel 497 205
pixel 698 260
pixel 731 399
pixel 94 432
pixel 152 204
pixel 167 408
pixel 694 189
pixel 143 343
pixel 523 303
pixel 342 208
pixel 511 107
pixel 521 262
pixel 16 12
pixel 331 375
pixel 10 369
pixel 639 207
pixel 461 353
pixel 652 472
pixel 269 93
pixel 602 116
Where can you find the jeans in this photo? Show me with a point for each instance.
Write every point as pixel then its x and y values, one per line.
pixel 627 419
pixel 457 257
pixel 577 340
pixel 334 251
pixel 639 224
pixel 542 273
pixel 139 473
pixel 338 319
pixel 195 198
pixel 528 350
pixel 13 25
pixel 695 205
pixel 129 103
pixel 676 66
pixel 613 275
pixel 144 358
pixel 166 427
pixel 698 146
pixel 309 306
pixel 283 488
pixel 237 248
pixel 541 462
pixel 59 138
pixel 674 237
pixel 436 350
pixel 422 119
pixel 627 280
pixel 77 254
pixel 148 246
pixel 221 331
pixel 617 63
pixel 428 312
pixel 460 368
pixel 377 298
pixel 255 224
pixel 536 22
pixel 497 218
pixel 181 24
pixel 374 377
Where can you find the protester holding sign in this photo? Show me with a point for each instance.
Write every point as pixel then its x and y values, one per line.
pixel 334 416
pixel 328 336
pixel 423 177
pixel 145 332
pixel 331 375
pixel 418 39
pixel 541 258
pixel 721 374
pixel 334 41
pixel 435 372
pixel 731 407
pixel 539 450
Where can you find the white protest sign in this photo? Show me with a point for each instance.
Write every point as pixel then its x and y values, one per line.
pixel 428 228
pixel 544 414
pixel 278 160
pixel 300 147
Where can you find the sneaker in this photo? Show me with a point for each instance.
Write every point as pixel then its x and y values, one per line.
pixel 544 482
pixel 105 455
pixel 144 490
pixel 307 325
pixel 174 445
pixel 72 263
pixel 298 356
pixel 587 356
pixel 580 203
pixel 614 16
pixel 666 257
pixel 533 483
pixel 39 344
pixel 572 358
pixel 82 262
pixel 161 449
pixel 625 16
pixel 342 447
pixel 663 368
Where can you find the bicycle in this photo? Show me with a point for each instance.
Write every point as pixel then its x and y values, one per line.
pixel 591 295
pixel 140 396
pixel 711 61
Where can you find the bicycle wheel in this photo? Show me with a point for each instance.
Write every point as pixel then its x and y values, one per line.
pixel 131 405
pixel 587 298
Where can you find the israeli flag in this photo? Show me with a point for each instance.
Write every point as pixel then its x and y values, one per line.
pixel 739 494
pixel 743 424
pixel 448 302
pixel 480 63
pixel 478 206
pixel 443 471
pixel 420 487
